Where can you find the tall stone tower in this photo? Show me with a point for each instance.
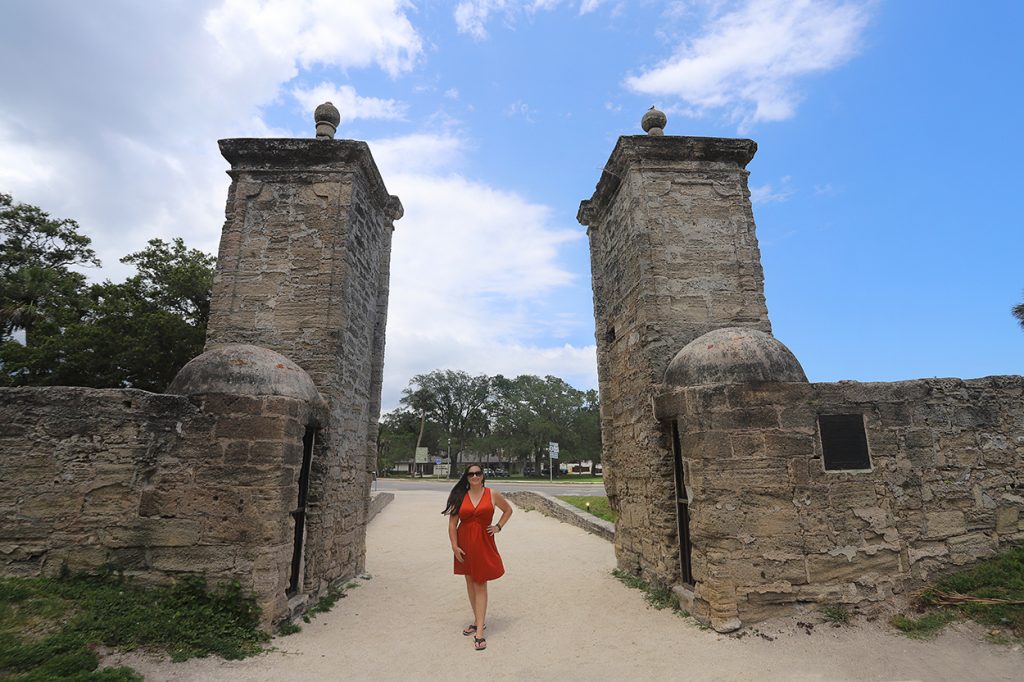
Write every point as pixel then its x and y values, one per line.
pixel 673 255
pixel 303 270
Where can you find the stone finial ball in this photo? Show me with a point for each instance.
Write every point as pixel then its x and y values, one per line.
pixel 654 122
pixel 327 118
pixel 327 113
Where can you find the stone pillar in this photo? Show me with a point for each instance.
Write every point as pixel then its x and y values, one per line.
pixel 303 270
pixel 673 256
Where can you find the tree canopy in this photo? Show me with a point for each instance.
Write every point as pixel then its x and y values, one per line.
pixel 137 333
pixel 1018 312
pixel 511 418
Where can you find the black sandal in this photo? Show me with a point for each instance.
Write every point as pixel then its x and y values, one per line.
pixel 471 630
pixel 477 641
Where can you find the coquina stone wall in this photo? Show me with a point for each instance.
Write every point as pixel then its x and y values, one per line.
pixel 770 527
pixel 673 255
pixel 159 486
pixel 303 270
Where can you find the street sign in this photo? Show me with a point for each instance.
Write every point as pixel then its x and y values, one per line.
pixel 553 450
pixel 422 455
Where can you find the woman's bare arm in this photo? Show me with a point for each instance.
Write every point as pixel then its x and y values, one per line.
pixel 453 535
pixel 506 510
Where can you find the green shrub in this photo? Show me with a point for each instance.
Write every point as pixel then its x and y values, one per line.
pixel 658 597
pixel 925 627
pixel 48 625
pixel 837 614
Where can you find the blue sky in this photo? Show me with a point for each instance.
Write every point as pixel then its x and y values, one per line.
pixel 886 186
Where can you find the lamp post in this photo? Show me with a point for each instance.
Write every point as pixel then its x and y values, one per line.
pixel 450 467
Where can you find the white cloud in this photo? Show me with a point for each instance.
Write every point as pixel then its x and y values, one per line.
pixel 520 108
pixel 452 93
pixel 472 16
pixel 471 269
pixel 115 123
pixel 417 154
pixel 345 34
pixel 350 105
pixel 746 61
pixel 767 193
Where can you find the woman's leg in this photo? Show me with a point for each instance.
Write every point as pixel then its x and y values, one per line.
pixel 480 606
pixel 472 594
pixel 472 604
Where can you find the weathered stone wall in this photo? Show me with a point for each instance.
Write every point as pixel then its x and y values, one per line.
pixel 303 270
pixel 549 505
pixel 770 527
pixel 378 501
pixel 159 486
pixel 673 255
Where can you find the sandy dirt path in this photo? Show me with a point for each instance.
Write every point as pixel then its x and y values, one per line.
pixel 558 614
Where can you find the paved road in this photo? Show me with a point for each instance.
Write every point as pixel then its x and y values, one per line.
pixel 443 485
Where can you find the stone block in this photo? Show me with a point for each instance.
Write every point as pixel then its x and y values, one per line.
pixel 209 560
pixel 850 493
pixel 152 533
pixel 969 548
pixel 944 524
pixel 745 419
pixel 1007 520
pixel 829 568
pixel 790 445
pixel 705 445
pixel 798 418
pixel 799 472
pixel 927 550
pixel 252 428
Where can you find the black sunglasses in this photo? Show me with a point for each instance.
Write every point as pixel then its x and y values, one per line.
pixel 474 473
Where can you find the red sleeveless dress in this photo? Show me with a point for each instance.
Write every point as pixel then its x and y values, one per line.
pixel 482 561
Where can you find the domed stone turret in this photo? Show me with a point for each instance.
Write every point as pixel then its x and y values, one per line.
pixel 240 369
pixel 733 355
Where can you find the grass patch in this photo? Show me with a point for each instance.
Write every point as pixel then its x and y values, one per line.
pixel 837 614
pixel 599 506
pixel 50 627
pixel 925 627
pixel 286 627
pixel 327 602
pixel 658 597
pixel 999 578
pixel 991 592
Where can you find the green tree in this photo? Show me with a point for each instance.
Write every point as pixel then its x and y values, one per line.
pixel 587 425
pixel 1018 312
pixel 455 400
pixel 137 333
pixel 529 412
pixel 37 289
pixel 401 432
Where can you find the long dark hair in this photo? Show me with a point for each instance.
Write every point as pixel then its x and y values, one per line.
pixel 460 489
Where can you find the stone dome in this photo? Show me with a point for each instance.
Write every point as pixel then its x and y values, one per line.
pixel 240 369
pixel 733 355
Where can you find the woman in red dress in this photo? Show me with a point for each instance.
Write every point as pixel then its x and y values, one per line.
pixel 470 510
